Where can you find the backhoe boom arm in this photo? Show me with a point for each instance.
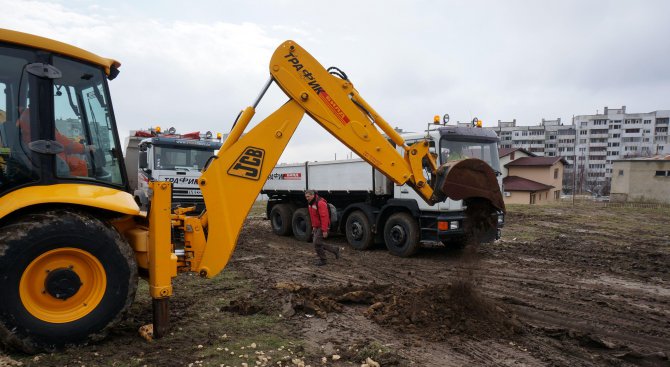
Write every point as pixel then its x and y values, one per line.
pixel 232 182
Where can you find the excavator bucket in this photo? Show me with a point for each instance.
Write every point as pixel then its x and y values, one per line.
pixel 468 179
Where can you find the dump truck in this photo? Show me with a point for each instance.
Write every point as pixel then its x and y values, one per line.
pixel 368 208
pixel 156 155
pixel 73 241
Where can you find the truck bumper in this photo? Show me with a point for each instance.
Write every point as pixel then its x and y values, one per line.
pixel 449 228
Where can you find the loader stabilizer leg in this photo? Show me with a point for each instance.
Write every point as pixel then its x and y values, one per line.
pixel 162 260
pixel 161 316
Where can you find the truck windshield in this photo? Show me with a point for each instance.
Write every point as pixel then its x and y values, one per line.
pixel 170 158
pixel 451 150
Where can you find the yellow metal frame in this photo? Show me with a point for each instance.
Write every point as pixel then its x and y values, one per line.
pixel 337 106
pixel 233 180
pixel 162 260
pixel 228 195
pixel 79 194
pixel 30 40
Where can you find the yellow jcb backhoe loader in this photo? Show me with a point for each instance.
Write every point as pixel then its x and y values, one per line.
pixel 72 239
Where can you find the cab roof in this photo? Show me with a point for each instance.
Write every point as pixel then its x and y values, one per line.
pixel 42 43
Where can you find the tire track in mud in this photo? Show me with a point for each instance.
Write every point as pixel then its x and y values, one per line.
pixel 554 285
pixel 565 299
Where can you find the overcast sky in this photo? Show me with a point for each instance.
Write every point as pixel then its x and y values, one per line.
pixel 194 65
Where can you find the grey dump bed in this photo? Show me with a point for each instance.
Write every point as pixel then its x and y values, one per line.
pixel 352 175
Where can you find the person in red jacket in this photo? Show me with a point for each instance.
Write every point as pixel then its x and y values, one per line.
pixel 320 218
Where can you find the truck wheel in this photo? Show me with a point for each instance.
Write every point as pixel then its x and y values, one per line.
pixel 280 219
pixel 302 225
pixel 401 234
pixel 65 278
pixel 358 232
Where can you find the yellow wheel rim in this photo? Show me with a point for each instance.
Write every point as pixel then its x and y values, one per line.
pixel 37 288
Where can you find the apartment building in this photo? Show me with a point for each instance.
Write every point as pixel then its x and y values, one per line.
pixel 551 138
pixel 593 141
pixel 613 135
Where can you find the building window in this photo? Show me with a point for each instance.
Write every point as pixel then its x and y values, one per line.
pixel 555 173
pixel 661 173
pixel 620 172
pixel 511 156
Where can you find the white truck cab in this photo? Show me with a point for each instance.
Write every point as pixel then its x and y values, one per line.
pixel 176 158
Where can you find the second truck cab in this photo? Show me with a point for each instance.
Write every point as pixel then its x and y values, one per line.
pixel 172 157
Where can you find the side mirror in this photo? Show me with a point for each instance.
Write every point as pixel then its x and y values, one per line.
pixel 143 160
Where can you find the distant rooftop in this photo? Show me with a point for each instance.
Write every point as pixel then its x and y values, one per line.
pixel 535 161
pixel 516 183
pixel 654 158
pixel 502 152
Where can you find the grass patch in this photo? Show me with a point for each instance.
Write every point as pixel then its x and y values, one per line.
pixel 258 209
pixel 593 222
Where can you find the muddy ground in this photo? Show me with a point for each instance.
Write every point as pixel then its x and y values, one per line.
pixel 585 286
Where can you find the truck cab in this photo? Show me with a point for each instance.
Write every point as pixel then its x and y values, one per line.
pixel 171 157
pixel 453 143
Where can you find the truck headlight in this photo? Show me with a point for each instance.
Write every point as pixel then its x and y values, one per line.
pixel 453 224
pixel 501 218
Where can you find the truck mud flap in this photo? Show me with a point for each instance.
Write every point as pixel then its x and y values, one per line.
pixel 467 179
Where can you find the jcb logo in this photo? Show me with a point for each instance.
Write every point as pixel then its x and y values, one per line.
pixel 249 164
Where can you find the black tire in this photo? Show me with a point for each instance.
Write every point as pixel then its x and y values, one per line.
pixel 358 231
pixel 88 267
pixel 302 225
pixel 281 217
pixel 401 234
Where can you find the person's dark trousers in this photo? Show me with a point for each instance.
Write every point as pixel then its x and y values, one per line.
pixel 320 245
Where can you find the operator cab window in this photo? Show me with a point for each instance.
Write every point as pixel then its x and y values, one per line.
pixel 16 159
pixel 83 124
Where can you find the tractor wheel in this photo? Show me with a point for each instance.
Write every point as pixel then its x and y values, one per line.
pixel 401 234
pixel 358 231
pixel 280 219
pixel 65 278
pixel 302 225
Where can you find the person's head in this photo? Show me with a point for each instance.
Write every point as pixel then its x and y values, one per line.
pixel 309 195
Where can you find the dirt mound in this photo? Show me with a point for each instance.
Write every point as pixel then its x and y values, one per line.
pixel 290 298
pixel 436 311
pixel 441 311
pixel 321 301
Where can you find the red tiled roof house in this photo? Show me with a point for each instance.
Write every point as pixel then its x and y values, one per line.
pixel 533 180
